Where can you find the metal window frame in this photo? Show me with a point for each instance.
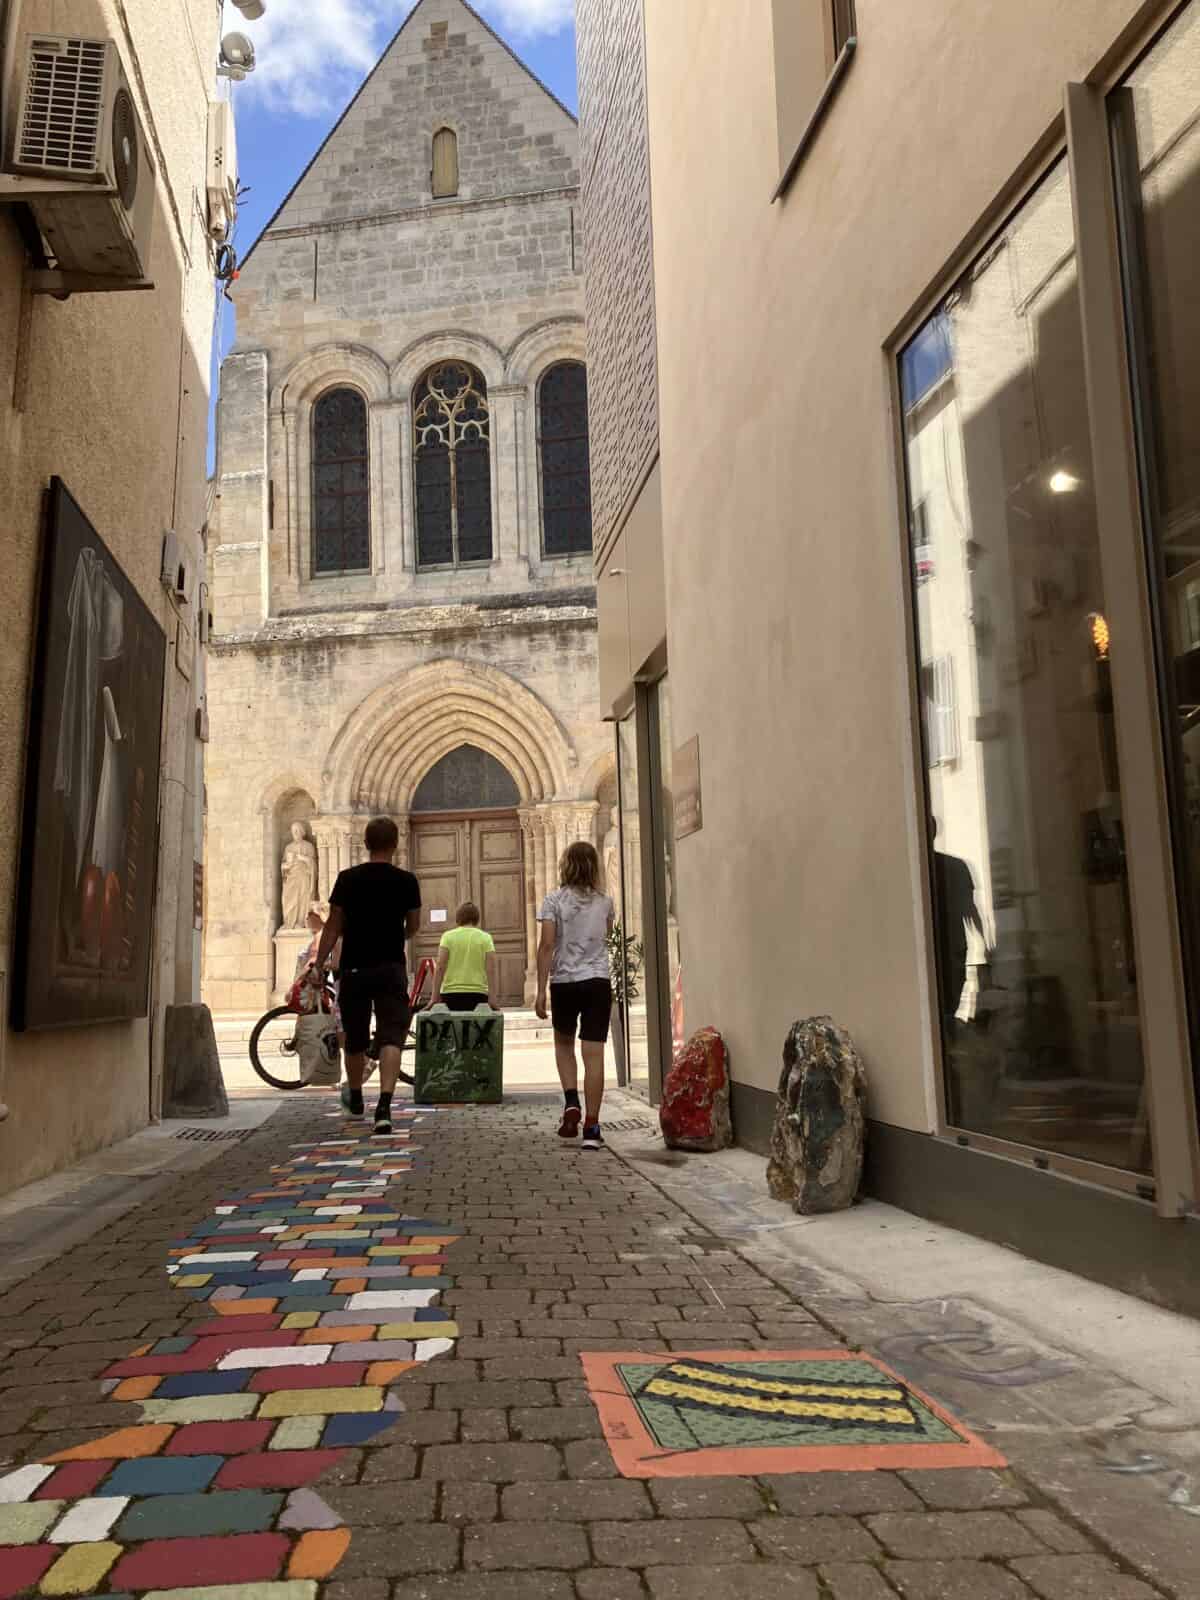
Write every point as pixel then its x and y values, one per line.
pixel 455 564
pixel 1082 137
pixel 318 573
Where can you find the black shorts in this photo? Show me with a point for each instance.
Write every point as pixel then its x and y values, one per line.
pixel 586 1005
pixel 464 1002
pixel 382 989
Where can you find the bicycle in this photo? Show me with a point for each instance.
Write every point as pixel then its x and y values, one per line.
pixel 273 1039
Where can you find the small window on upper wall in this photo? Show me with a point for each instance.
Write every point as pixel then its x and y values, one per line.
pixel 814 43
pixel 445 164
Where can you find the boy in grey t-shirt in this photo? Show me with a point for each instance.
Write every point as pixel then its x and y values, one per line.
pixel 576 920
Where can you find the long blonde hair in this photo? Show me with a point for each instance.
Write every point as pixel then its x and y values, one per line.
pixel 579 868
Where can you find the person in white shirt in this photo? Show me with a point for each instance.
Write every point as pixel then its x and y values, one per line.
pixel 576 920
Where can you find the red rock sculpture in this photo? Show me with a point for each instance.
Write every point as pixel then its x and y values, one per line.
pixel 695 1105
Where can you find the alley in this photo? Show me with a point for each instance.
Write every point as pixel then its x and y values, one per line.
pixel 353 1368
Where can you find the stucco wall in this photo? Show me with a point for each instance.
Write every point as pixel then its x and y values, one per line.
pixel 781 529
pixel 92 392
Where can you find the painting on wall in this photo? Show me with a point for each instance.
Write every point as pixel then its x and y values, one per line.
pixel 89 839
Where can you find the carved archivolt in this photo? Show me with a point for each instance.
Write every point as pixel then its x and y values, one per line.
pixel 399 732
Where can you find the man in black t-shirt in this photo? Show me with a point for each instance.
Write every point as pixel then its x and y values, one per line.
pixel 375 909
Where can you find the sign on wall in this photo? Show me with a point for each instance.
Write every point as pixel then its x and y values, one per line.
pixel 685 787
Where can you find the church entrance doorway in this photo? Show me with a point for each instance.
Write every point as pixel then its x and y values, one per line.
pixel 465 843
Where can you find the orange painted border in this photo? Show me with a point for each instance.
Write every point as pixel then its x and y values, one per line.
pixel 636 1455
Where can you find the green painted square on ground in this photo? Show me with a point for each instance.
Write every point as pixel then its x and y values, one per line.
pixel 692 1404
pixel 459 1058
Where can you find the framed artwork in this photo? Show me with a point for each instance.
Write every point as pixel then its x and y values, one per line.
pixel 89 836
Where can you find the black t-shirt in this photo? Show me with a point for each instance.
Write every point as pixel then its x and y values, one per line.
pixel 375 899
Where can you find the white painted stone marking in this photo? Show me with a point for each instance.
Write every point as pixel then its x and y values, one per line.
pixel 428 1348
pixel 207 1258
pixel 385 1299
pixel 88 1521
pixel 16 1487
pixel 292 1355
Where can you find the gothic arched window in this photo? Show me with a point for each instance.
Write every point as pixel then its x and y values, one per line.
pixel 451 429
pixel 563 448
pixel 468 779
pixel 341 498
pixel 445 164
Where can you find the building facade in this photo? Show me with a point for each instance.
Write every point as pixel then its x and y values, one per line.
pixel 918 575
pixel 107 392
pixel 401 573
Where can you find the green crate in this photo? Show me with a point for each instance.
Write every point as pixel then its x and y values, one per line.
pixel 459 1058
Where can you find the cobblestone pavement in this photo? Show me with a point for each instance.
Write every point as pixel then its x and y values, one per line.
pixel 493 1479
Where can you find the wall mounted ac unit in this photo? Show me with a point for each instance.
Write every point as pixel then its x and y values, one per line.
pixel 81 156
pixel 222 170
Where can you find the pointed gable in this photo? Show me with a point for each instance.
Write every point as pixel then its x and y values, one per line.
pixel 444 69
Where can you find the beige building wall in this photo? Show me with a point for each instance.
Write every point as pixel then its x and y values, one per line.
pixel 110 392
pixel 785 579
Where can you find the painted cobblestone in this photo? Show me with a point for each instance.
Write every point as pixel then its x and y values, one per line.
pixel 324 1294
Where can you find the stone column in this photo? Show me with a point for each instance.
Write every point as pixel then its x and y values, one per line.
pixel 391 554
pixel 403 849
pixel 326 841
pixel 408 499
pixel 506 496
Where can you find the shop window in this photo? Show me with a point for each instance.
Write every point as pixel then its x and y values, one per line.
pixel 445 164
pixel 341 501
pixel 1037 985
pixel 452 466
pixel 563 456
pixel 1157 140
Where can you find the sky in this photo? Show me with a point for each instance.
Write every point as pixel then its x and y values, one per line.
pixel 313 55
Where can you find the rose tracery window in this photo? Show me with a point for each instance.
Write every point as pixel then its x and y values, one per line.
pixel 563 448
pixel 341 515
pixel 451 432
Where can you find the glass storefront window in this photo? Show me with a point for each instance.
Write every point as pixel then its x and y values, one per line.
pixel 1034 951
pixel 1158 174
pixel 629 912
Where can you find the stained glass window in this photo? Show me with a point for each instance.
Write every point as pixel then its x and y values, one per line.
pixel 341 483
pixel 468 779
pixel 566 476
pixel 451 434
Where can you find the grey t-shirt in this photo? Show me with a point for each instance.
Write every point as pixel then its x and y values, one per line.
pixel 581 928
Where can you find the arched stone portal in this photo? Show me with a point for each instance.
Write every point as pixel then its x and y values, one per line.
pixel 391 743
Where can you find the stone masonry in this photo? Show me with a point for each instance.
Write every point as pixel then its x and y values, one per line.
pixel 330 697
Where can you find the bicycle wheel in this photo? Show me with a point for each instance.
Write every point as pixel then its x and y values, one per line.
pixel 273 1052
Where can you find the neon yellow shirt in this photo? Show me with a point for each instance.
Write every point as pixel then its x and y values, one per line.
pixel 466 970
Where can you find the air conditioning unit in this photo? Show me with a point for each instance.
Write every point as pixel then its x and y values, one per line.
pixel 176 570
pixel 222 170
pixel 82 156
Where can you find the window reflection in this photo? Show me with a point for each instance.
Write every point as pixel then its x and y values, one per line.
pixel 1159 149
pixel 1033 944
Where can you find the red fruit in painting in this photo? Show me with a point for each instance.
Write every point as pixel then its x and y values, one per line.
pixel 112 921
pixel 91 911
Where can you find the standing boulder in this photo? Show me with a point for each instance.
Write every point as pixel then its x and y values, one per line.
pixel 817 1142
pixel 695 1105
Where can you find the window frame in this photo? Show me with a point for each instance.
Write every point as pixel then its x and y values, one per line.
pixel 447 194
pixel 317 572
pixel 841 44
pixel 561 555
pixel 455 564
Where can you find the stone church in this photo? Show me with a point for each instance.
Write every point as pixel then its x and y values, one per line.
pixel 400 551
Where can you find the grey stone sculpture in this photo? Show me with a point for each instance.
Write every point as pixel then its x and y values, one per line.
pixel 817 1141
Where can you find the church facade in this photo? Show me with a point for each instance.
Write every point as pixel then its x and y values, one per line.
pixel 400 556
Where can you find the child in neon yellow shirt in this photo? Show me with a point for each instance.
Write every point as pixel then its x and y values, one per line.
pixel 467 965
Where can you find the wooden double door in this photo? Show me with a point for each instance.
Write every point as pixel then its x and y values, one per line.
pixel 473 856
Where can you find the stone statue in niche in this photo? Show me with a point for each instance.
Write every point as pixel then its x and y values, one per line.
pixel 299 872
pixel 612 859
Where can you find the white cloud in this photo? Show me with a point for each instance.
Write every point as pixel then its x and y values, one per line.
pixel 311 57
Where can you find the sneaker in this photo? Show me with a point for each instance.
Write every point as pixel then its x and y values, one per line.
pixel 593 1139
pixel 569 1126
pixel 383 1122
pixel 352 1099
